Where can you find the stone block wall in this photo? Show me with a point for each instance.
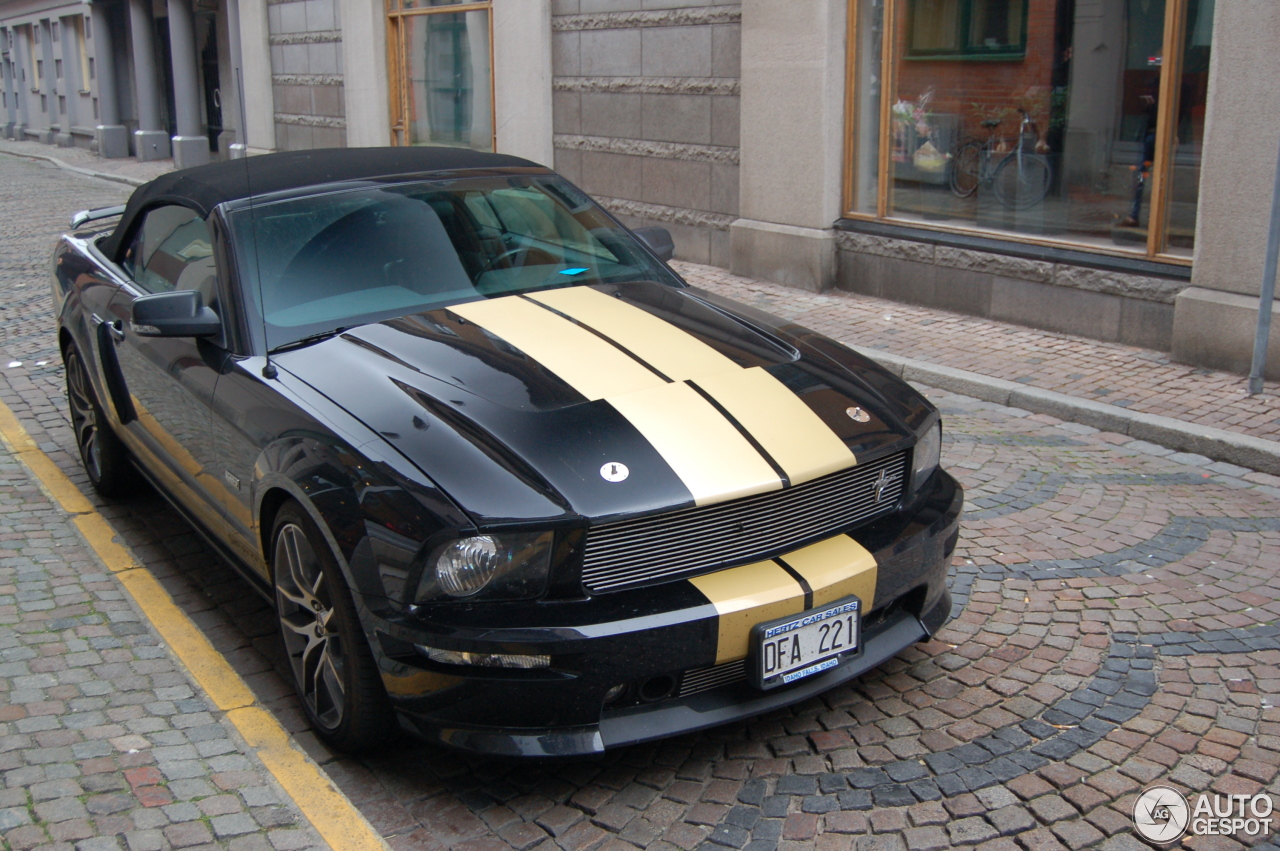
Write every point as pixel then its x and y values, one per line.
pixel 1105 305
pixel 646 113
pixel 306 74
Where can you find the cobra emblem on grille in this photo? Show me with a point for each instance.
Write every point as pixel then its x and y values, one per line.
pixel 881 486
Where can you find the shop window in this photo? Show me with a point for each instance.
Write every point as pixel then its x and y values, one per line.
pixel 966 28
pixel 1058 121
pixel 441 73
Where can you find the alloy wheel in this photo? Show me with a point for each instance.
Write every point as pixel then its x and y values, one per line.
pixel 309 627
pixel 84 417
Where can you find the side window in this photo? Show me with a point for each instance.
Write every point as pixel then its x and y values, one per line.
pixel 173 250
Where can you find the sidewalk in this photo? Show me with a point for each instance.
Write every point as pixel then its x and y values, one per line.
pixel 1133 391
pixel 104 743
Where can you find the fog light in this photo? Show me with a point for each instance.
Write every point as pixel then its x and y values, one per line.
pixel 484 660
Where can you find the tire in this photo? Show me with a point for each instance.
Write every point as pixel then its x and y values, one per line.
pixel 965 173
pixel 1022 189
pixel 105 458
pixel 333 668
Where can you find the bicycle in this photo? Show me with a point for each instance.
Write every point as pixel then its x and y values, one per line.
pixel 1020 178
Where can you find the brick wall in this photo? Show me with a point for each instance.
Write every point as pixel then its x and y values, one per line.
pixel 306 74
pixel 646 114
pixel 975 89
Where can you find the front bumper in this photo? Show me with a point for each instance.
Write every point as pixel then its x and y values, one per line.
pixel 670 635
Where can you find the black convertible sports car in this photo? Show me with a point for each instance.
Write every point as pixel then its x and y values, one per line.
pixel 503 473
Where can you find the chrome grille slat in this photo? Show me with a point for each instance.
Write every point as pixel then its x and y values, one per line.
pixel 704 679
pixel 663 547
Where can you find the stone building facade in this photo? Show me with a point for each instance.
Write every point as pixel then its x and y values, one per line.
pixel 815 143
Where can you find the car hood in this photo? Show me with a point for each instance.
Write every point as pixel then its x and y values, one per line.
pixel 611 400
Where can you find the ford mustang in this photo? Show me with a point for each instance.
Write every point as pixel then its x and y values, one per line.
pixel 508 480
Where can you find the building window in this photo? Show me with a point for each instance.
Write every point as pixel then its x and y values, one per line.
pixel 966 28
pixel 1052 121
pixel 441 73
pixel 80 25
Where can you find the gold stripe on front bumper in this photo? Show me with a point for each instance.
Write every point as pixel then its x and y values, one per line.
pixel 835 568
pixel 745 596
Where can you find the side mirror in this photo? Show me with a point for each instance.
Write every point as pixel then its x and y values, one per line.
pixel 179 313
pixel 659 240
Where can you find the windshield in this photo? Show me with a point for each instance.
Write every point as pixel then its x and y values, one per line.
pixel 318 264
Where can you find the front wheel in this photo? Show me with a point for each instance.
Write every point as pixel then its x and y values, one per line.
pixel 104 456
pixel 333 668
pixel 966 170
pixel 1022 181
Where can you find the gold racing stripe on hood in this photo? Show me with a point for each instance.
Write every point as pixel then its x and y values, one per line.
pixel 672 351
pixel 795 437
pixel 711 457
pixel 835 568
pixel 706 451
pixel 745 596
pixel 579 358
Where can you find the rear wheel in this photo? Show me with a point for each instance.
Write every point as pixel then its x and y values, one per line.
pixel 1022 182
pixel 333 668
pixel 966 169
pixel 104 456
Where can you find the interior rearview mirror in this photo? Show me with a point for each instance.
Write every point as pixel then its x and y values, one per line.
pixel 179 313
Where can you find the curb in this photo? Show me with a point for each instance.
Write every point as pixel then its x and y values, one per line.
pixel 330 812
pixel 87 172
pixel 1213 443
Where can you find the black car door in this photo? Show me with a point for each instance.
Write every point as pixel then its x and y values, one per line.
pixel 170 381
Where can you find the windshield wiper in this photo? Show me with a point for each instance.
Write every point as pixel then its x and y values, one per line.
pixel 307 341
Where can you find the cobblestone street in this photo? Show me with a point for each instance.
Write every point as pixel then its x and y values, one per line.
pixel 1116 623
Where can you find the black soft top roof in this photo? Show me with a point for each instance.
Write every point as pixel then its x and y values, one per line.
pixel 205 187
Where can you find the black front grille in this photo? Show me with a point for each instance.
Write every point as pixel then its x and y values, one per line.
pixel 699 540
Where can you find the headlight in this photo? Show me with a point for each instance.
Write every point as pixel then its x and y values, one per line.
pixel 926 456
pixel 508 566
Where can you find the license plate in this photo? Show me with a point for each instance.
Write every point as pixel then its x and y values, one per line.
pixel 799 646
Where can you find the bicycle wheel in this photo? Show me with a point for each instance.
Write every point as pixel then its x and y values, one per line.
pixel 1022 182
pixel 966 169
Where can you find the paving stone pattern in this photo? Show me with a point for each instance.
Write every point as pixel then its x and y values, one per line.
pixel 1114 626
pixel 103 742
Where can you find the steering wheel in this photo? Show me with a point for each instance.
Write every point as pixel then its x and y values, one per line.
pixel 524 252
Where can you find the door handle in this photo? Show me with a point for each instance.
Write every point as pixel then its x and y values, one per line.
pixel 116 330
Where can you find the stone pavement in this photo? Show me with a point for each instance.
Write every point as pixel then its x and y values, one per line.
pixel 104 745
pixel 1115 625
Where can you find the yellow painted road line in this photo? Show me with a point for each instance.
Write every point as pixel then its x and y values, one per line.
pixel 333 816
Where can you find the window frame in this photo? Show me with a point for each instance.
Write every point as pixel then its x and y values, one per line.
pixel 968 52
pixel 1175 15
pixel 397 35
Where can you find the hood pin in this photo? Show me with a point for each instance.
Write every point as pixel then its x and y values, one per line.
pixel 614 472
pixel 858 415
